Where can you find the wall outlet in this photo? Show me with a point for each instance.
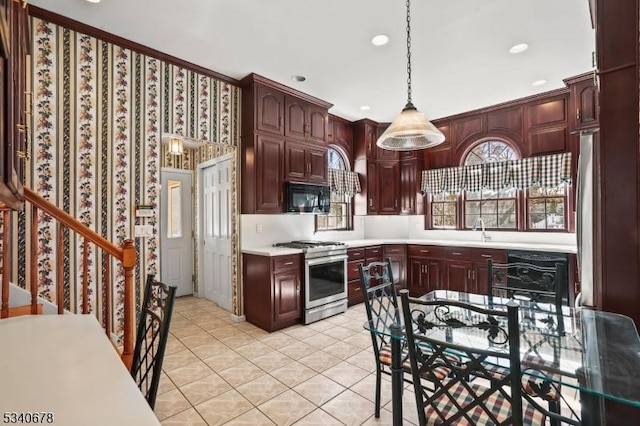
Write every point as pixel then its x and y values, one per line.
pixel 258 228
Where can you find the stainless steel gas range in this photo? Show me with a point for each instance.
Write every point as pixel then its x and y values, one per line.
pixel 325 278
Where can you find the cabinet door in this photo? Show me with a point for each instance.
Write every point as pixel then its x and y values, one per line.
pixel 286 295
pixel 317 165
pixel 317 124
pixel 408 186
pixel 416 278
pixel 370 138
pixel 269 110
pixel 397 269
pixel 295 118
pixel 295 162
pixel 372 187
pixel 434 274
pixel 269 175
pixel 459 276
pixel 585 103
pixel 388 178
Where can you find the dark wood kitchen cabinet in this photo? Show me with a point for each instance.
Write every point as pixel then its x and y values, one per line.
pixel 272 290
pixel 269 110
pixel 283 138
pixel 355 257
pixel 14 107
pixel 305 121
pixel 389 187
pixel 584 101
pixel 424 269
pixel 305 163
pixel 397 255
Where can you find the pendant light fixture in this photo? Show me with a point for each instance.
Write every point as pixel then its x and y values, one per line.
pixel 410 129
pixel 176 146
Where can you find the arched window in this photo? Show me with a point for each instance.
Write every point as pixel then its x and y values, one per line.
pixel 339 217
pixel 532 208
pixel 496 208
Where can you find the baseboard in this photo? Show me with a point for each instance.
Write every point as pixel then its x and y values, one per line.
pixel 238 318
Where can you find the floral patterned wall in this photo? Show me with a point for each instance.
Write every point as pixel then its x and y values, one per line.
pixel 98 114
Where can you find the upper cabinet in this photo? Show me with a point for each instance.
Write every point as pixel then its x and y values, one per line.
pixel 584 102
pixel 305 121
pixel 269 110
pixel 14 48
pixel 284 138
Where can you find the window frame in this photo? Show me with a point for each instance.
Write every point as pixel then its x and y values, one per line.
pixel 349 205
pixel 522 200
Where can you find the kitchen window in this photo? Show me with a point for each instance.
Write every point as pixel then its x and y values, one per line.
pixel 340 216
pixel 507 193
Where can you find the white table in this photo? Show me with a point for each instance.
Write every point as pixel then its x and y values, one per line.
pixel 64 364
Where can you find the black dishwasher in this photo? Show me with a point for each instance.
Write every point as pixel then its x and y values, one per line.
pixel 545 259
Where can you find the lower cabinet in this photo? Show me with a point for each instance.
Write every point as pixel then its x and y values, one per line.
pixel 272 290
pixel 397 255
pixel 424 271
pixel 356 256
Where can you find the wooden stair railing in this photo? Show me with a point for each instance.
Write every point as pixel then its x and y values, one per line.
pixel 126 255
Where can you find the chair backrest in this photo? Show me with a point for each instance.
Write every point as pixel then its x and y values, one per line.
pixel 478 337
pixel 533 282
pixel 380 299
pixel 151 337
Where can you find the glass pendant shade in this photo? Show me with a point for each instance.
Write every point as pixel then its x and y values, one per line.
pixel 410 130
pixel 175 146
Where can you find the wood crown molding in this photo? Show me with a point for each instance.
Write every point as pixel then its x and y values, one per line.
pixel 74 25
pixel 264 81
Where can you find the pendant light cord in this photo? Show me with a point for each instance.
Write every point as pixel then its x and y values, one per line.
pixel 409 53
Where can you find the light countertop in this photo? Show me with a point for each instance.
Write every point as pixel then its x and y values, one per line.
pixel 556 248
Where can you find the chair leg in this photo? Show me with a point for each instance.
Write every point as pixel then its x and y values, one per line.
pixel 378 379
pixel 554 407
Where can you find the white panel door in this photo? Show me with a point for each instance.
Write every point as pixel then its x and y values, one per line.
pixel 216 248
pixel 176 230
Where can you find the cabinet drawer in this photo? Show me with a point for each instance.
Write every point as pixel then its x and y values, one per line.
pixel 426 251
pixel 455 253
pixel 286 262
pixel 354 292
pixel 373 251
pixel 394 249
pixel 356 253
pixel 353 273
pixel 481 255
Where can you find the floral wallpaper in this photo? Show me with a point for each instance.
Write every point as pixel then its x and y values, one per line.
pixel 98 114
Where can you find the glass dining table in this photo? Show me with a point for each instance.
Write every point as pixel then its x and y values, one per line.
pixel 595 352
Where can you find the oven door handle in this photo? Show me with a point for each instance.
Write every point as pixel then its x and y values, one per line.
pixel 323 260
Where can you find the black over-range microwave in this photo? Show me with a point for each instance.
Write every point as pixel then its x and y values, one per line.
pixel 304 198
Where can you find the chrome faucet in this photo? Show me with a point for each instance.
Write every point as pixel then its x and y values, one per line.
pixel 483 236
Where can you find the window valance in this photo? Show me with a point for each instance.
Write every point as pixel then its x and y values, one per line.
pixel 545 171
pixel 344 182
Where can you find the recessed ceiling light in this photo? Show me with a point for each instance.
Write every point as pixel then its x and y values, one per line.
pixel 539 82
pixel 298 78
pixel 365 107
pixel 518 48
pixel 93 1
pixel 380 40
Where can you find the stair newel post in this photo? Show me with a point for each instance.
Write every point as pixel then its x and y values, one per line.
pixel 6 262
pixel 33 278
pixel 129 260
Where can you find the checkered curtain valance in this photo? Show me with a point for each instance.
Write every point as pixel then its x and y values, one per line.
pixel 546 171
pixel 344 182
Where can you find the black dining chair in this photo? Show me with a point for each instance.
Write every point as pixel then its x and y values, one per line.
pixel 540 288
pixel 381 303
pixel 151 337
pixel 431 329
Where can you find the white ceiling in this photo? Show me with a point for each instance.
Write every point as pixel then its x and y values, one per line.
pixel 459 47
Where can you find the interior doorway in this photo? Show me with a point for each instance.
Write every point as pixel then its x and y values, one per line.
pixel 176 230
pixel 215 249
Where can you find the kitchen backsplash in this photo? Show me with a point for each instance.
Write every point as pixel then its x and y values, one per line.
pixel 265 230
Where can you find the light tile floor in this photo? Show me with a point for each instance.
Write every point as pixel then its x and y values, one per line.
pixel 217 371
